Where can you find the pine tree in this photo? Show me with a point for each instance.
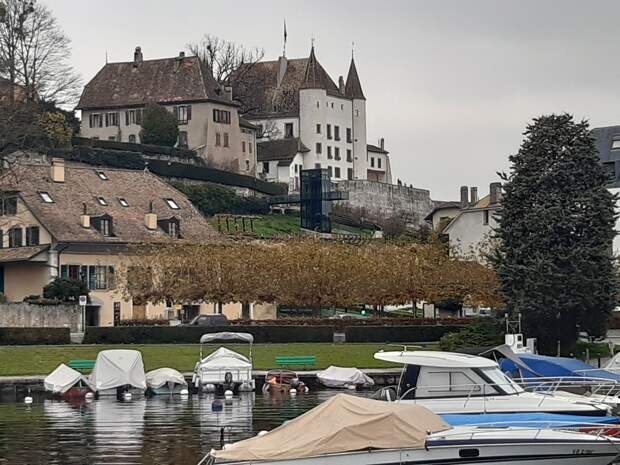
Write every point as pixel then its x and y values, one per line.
pixel 159 126
pixel 554 258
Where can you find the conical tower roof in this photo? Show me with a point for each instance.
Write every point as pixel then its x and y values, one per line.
pixel 353 87
pixel 315 76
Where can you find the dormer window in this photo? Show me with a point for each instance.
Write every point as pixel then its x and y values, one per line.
pixel 101 201
pixel 615 144
pixel 171 226
pixel 102 175
pixel 172 204
pixel 123 202
pixel 46 197
pixel 103 224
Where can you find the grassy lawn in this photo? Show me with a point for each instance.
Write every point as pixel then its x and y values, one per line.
pixel 35 360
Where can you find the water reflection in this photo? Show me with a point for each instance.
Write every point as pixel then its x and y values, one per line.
pixel 158 431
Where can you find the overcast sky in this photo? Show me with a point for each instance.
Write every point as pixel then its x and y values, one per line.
pixel 451 85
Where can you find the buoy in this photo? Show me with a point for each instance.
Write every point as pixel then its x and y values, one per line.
pixel 307 389
pixel 228 393
pixel 127 396
pixel 210 387
pixel 89 396
pixel 184 392
pixel 28 400
pixel 262 433
pixel 293 391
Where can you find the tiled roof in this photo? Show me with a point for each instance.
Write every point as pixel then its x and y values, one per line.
pixel 244 123
pixel 442 205
pixel 353 87
pixel 259 94
pixel 375 149
pixel 19 254
pixel 280 149
pixel 166 80
pixel 80 190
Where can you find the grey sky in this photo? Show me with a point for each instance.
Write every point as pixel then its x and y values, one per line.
pixel 449 84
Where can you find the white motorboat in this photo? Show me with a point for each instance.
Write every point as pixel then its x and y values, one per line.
pixel 452 383
pixel 224 369
pixel 165 381
pixel 117 371
pixel 344 378
pixel 347 430
pixel 67 382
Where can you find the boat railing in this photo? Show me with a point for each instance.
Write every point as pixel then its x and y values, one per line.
pixel 604 387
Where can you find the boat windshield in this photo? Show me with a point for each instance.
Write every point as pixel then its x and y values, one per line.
pixel 501 381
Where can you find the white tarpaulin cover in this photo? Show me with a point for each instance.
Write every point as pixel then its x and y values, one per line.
pixel 62 379
pixel 224 358
pixel 614 362
pixel 343 423
pixel 341 377
pixel 247 337
pixel 118 367
pixel 157 378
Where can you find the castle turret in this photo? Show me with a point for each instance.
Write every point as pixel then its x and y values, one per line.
pixel 353 90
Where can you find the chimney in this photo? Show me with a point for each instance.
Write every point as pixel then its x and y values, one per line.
pixel 382 143
pixel 341 85
pixel 495 192
pixel 58 170
pixel 464 196
pixel 137 56
pixel 85 218
pixel 150 219
pixel 474 195
pixel 181 55
pixel 228 93
pixel 282 65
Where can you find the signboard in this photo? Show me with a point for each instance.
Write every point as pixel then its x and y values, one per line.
pixel 117 313
pixel 83 300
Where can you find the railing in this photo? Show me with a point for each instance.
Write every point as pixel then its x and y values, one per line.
pixel 605 431
pixel 608 389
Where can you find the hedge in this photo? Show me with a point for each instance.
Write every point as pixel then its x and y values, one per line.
pixel 31 336
pixel 264 334
pixel 139 148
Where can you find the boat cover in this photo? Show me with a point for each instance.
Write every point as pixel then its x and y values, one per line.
pixel 551 367
pixel 157 378
pixel 62 379
pixel 206 338
pixel 341 424
pixel 224 358
pixel 118 367
pixel 613 363
pixel 341 377
pixel 527 420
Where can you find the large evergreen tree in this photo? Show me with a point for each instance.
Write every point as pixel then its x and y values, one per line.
pixel 554 258
pixel 159 126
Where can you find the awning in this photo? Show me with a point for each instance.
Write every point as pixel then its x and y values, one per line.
pixel 226 336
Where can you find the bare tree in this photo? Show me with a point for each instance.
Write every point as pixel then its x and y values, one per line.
pixel 227 61
pixel 35 51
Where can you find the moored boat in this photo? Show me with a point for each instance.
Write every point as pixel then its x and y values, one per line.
pixel 118 371
pixel 280 381
pixel 165 381
pixel 67 382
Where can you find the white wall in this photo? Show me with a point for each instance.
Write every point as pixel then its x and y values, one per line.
pixel 359 139
pixel 468 233
pixel 616 243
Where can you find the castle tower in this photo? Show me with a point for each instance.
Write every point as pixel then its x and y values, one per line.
pixel 353 90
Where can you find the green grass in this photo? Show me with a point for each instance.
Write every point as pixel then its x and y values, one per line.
pixel 36 360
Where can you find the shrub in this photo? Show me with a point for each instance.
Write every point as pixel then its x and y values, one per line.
pixel 211 199
pixel 482 332
pixel 65 290
pixel 31 336
pixel 159 126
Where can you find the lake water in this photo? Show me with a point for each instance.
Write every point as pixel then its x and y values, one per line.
pixel 155 431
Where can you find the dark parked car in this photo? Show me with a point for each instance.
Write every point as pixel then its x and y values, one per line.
pixel 209 320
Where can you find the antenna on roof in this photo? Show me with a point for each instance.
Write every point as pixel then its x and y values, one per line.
pixel 285 36
pixel 106 57
pixel 352 49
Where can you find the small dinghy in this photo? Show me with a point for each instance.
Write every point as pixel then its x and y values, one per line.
pixel 280 382
pixel 164 381
pixel 349 430
pixel 118 371
pixel 67 382
pixel 344 378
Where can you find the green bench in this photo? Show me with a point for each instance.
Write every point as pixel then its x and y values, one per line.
pixel 299 360
pixel 81 364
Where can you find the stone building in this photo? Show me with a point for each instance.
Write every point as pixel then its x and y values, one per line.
pixel 112 105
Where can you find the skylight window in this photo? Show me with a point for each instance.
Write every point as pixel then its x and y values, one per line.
pixel 615 144
pixel 46 197
pixel 102 175
pixel 123 202
pixel 172 204
pixel 101 201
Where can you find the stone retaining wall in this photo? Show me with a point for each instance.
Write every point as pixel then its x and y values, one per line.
pixel 25 315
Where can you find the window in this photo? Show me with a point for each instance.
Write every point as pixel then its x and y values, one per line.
pixel 357 112
pixel 32 235
pixel 101 201
pixel 95 120
pixel 332 104
pixel 250 146
pixel 329 131
pixel 172 204
pixel 288 130
pixel 317 166
pixel 337 153
pixel 46 197
pixel 183 113
pixel 319 148
pixel 318 128
pixel 123 202
pixel 225 139
pixel 15 237
pixel 221 116
pixel 610 170
pixel 111 119
pixel 218 139
pixel 9 206
pixel 372 162
pixel 133 117
pixel 105 226
pixel 113 138
pixel 379 163
pixel 247 165
pixel 100 277
pixel 72 272
pixel 170 226
pixel 102 175
pixel 132 138
pixel 349 135
pixel 336 172
pixel 336 132
pixel 349 155
pixel 485 217
pixel 615 144
pixel 318 104
pixel 329 152
pixel 260 132
pixel 329 171
pixel 243 146
pixel 183 139
pixel 265 167
pixel 350 174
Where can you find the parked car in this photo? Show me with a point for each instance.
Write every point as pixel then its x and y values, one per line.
pixel 209 320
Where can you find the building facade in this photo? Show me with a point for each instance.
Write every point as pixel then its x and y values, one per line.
pixel 113 102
